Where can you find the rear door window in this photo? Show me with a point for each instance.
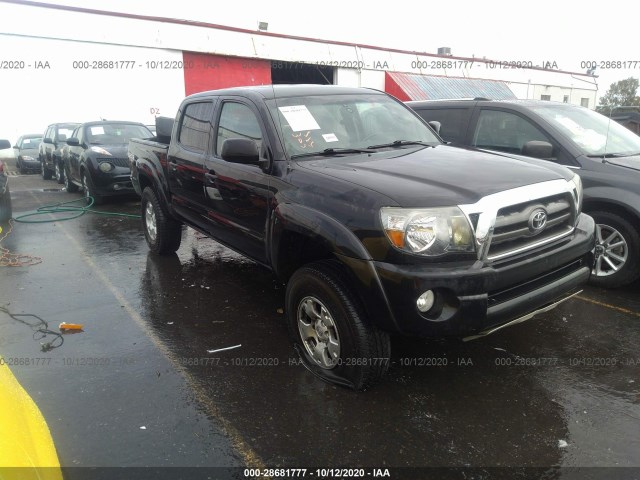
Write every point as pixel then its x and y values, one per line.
pixel 453 122
pixel 196 127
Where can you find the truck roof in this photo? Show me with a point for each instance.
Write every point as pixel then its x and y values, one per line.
pixel 268 92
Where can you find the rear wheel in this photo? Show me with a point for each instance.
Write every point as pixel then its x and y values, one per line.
pixel 330 330
pixel 5 206
pixel 163 233
pixel 617 251
pixel 68 184
pixel 89 189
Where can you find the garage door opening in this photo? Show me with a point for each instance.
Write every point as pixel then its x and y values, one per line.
pixel 296 72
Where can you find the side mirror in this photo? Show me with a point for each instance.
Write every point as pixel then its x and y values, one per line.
pixel 435 125
pixel 48 140
pixel 16 147
pixel 4 144
pixel 538 149
pixel 73 141
pixel 240 150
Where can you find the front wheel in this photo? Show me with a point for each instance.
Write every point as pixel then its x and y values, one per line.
pixel 68 184
pixel 44 171
pixel 163 233
pixel 617 251
pixel 330 330
pixel 89 189
pixel 59 173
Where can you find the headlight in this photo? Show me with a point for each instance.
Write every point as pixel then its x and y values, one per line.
pixel 105 167
pixel 100 150
pixel 577 191
pixel 429 232
pixel 27 157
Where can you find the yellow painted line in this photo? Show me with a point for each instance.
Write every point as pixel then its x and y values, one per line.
pixel 26 447
pixel 612 307
pixel 252 460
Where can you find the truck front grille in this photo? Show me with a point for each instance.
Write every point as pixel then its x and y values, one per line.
pixel 533 223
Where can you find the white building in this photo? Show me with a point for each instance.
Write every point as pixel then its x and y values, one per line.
pixel 80 64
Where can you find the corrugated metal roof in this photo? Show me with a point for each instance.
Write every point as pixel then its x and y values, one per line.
pixel 422 87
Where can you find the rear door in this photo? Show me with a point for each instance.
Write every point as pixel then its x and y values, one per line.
pixel 185 160
pixel 237 195
pixel 454 121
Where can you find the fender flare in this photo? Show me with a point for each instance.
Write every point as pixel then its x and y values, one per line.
pixel 343 244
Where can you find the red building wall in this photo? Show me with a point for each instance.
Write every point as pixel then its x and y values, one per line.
pixel 203 72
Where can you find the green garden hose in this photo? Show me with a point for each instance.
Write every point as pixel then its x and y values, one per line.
pixel 74 211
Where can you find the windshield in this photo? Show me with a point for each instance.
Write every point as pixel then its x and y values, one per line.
pixel 32 142
pixel 115 133
pixel 592 132
pixel 313 124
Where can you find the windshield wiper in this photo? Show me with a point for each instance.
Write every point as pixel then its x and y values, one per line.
pixel 334 151
pixel 400 143
pixel 614 155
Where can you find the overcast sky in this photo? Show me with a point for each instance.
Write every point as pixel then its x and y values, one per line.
pixel 567 32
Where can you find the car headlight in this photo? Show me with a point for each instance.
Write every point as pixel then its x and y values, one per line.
pixel 100 150
pixel 429 232
pixel 28 158
pixel 105 167
pixel 577 191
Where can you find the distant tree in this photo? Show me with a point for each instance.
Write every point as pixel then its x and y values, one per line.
pixel 621 93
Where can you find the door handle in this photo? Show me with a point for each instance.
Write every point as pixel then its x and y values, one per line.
pixel 210 177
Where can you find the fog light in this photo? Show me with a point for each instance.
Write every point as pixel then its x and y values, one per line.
pixel 426 301
pixel 105 167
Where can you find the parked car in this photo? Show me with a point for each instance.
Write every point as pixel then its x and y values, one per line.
pixel 96 158
pixel 49 152
pixel 374 225
pixel 604 153
pixel 5 195
pixel 26 152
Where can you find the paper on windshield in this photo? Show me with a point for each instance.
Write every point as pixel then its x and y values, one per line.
pixel 299 118
pixel 97 130
pixel 330 137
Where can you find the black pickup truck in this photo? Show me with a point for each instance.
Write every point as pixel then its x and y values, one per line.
pixel 373 223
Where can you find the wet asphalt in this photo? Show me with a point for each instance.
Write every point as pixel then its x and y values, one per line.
pixel 139 387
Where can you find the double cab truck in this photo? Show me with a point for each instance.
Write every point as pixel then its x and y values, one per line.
pixel 372 222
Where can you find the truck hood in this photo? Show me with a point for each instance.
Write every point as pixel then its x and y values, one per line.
pixel 433 176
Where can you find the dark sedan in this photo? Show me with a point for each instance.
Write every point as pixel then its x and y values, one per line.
pixel 96 158
pixel 5 196
pixel 26 149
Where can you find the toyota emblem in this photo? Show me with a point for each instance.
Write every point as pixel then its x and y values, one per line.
pixel 537 220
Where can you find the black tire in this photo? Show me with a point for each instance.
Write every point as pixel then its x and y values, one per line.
pixel 364 350
pixel 59 173
pixel 5 206
pixel 44 171
pixel 163 233
pixel 21 168
pixel 68 183
pixel 603 274
pixel 89 190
